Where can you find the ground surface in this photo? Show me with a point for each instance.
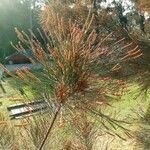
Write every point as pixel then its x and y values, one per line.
pixel 130 106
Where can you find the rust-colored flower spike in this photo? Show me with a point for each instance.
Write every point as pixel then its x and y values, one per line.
pixel 3 122
pixel 76 51
pixel 67 145
pixel 81 85
pixel 6 70
pixel 28 73
pixel 20 73
pixel 143 5
pixel 62 93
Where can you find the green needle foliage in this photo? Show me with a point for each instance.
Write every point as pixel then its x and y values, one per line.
pixel 73 54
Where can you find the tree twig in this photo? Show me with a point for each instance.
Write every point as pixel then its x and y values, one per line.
pixel 51 126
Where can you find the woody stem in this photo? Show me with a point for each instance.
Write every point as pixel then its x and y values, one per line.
pixel 51 126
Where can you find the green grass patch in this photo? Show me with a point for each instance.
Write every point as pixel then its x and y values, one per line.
pixel 132 106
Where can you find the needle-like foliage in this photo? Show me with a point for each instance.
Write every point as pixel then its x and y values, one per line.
pixel 71 62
